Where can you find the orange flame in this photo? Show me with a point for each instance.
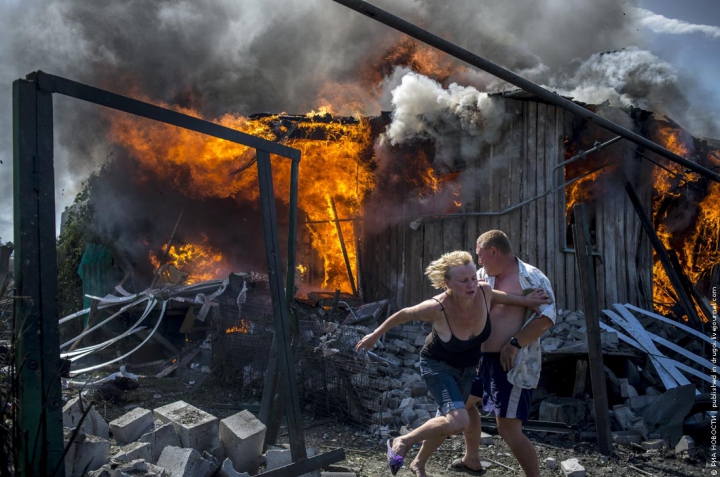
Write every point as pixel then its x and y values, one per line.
pixel 241 327
pixel 200 262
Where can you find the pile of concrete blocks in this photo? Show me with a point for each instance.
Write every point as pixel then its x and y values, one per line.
pixel 176 440
pixel 569 335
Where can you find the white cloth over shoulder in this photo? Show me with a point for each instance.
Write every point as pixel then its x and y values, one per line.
pixel 526 372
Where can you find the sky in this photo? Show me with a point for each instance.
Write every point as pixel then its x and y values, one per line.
pixel 245 56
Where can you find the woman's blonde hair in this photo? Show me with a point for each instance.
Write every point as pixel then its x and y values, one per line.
pixel 439 270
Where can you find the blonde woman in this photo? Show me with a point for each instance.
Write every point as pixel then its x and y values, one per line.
pixel 448 361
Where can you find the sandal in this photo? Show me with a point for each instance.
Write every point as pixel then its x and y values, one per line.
pixel 395 461
pixel 458 466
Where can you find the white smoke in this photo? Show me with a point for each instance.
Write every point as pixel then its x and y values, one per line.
pixel 671 26
pixel 459 120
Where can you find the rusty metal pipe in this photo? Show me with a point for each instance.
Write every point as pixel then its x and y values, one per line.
pixel 553 98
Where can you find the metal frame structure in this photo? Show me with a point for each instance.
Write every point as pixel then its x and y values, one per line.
pixel 39 435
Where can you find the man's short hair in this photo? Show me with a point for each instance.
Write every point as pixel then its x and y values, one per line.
pixel 439 270
pixel 497 239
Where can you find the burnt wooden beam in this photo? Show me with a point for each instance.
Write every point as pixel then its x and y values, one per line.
pixel 39 435
pixel 586 274
pixel 672 273
pixel 342 246
pixel 462 54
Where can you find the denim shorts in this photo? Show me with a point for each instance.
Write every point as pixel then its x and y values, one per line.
pixel 448 385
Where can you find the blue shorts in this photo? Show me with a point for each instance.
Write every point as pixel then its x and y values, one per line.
pixel 448 385
pixel 499 396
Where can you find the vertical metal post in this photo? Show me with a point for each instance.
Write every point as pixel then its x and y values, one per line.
pixel 280 309
pixel 37 344
pixel 586 273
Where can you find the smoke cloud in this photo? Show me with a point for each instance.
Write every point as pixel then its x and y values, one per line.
pixel 245 56
pixel 671 26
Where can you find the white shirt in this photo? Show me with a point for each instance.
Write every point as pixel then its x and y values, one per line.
pixel 526 372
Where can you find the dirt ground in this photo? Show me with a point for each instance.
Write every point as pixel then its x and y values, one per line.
pixel 365 454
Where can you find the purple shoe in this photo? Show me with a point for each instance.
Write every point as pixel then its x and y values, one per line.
pixel 395 461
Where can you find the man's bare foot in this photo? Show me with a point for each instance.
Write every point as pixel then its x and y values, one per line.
pixel 417 468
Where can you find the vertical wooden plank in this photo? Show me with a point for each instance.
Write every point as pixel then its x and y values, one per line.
pixel 502 178
pixel 602 245
pixel 559 216
pixel 583 247
pixel 540 212
pixel 39 446
pixel 610 232
pixel 452 235
pixel 530 235
pixel 432 244
pixel 516 175
pixel 415 274
pixel 549 200
pixel 383 259
pixel 393 261
pixel 572 292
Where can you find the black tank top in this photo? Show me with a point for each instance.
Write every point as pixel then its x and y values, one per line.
pixel 456 352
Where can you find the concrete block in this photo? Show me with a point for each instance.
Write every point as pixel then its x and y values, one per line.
pixel 227 470
pixel 419 390
pixel 181 462
pixel 130 426
pixel 653 444
pixel 242 437
pixel 281 457
pixel 551 463
pixel 196 428
pixel 627 391
pixel 572 468
pixel 134 468
pixel 626 437
pixel 407 402
pixel 486 439
pixel 639 402
pixel 86 453
pixel 93 424
pixel 685 444
pixel 160 437
pixel 135 451
pixel 560 409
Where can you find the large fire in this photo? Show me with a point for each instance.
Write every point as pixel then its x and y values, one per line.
pixel 199 261
pixel 336 164
pixel 696 241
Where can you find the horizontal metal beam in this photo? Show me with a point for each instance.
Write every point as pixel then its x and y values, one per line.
pixel 56 84
pixel 553 98
pixel 308 465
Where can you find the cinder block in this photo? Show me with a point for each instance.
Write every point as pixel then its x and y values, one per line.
pixel 184 463
pixel 551 463
pixel 129 427
pixel 134 468
pixel 685 444
pixel 282 457
pixel 135 451
pixel 196 428
pixel 572 468
pixel 486 439
pixel 86 453
pixel 93 424
pixel 242 437
pixel 560 409
pixel 653 444
pixel 162 436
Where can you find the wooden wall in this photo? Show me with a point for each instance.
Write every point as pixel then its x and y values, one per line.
pixel 520 167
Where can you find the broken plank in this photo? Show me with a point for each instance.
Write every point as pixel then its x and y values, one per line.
pixel 674 323
pixel 307 465
pixel 632 326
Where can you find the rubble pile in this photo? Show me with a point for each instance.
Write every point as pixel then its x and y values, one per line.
pixel 569 335
pixel 176 440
